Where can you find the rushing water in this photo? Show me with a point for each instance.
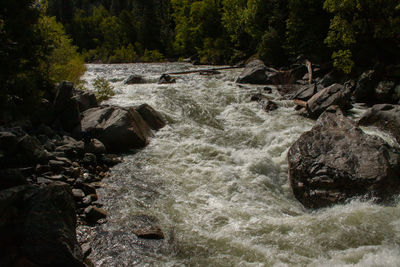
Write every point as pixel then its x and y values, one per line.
pixel 216 179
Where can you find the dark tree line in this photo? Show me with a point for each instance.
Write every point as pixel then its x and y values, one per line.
pixel 45 41
pixel 350 33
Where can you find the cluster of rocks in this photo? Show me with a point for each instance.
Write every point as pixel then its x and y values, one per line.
pixel 49 173
pixel 336 161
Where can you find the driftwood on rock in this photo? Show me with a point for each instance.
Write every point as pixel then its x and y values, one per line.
pixel 310 72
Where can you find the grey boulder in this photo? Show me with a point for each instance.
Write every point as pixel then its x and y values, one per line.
pixel 336 161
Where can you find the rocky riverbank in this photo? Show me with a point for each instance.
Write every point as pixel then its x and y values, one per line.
pixel 50 167
pixel 336 161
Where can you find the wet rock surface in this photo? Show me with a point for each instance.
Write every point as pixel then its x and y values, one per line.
pixel 151 116
pixel 256 73
pixel 335 94
pixel 384 116
pixel 336 161
pixel 135 79
pixel 119 129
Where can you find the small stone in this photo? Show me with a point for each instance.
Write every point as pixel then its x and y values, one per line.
pixel 88 189
pixel 42 180
pixel 42 168
pixel 65 160
pixel 95 147
pixel 94 197
pixel 89 159
pixel 87 200
pixel 58 177
pixel 78 194
pixel 86 249
pixel 93 214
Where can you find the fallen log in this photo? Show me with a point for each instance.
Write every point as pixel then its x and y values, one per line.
pixel 202 70
pixel 301 103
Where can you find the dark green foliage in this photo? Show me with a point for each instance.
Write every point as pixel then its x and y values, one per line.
pixel 364 33
pixel 117 30
pixel 306 28
pixel 20 52
pixel 34 53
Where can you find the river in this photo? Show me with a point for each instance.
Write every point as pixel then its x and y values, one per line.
pixel 216 178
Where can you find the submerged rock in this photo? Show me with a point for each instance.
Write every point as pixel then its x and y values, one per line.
pixel 384 116
pixel 266 104
pixel 166 79
pixel 153 232
pixel 335 161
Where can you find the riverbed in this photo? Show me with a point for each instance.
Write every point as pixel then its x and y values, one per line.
pixel 216 180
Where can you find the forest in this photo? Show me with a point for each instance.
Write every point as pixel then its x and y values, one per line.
pixel 46 41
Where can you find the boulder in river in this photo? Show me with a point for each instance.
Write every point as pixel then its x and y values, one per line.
pixel 336 160
pixel 166 79
pixel 119 129
pixel 151 116
pixel 256 73
pixel 135 79
pixel 37 227
pixel 384 116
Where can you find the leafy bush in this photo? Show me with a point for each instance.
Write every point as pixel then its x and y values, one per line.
pixel 63 62
pixel 103 89
pixel 124 54
pixel 152 56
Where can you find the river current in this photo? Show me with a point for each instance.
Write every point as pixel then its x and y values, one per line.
pixel 216 178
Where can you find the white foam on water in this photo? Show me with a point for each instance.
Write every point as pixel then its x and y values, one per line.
pixel 216 178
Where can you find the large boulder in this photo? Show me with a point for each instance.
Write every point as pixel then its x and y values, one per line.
pixel 385 92
pixel 119 129
pixel 364 91
pixel 297 91
pixel 30 150
pixel 66 109
pixel 151 116
pixel 335 161
pixel 335 94
pixel 372 89
pixel 256 73
pixel 37 227
pixel 85 100
pixel 384 116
